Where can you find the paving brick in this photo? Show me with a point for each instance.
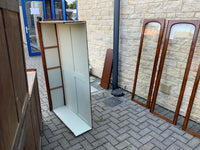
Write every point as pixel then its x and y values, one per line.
pixel 168 141
pixel 135 142
pixel 123 123
pixel 167 133
pixel 155 129
pixel 44 141
pixel 188 136
pixel 182 145
pixel 112 140
pixel 50 146
pixel 89 137
pixel 101 134
pixel 193 142
pixel 58 148
pixel 47 133
pixel 147 146
pixel 173 147
pixel 145 139
pixel 177 130
pixel 179 137
pixel 122 137
pixel 142 119
pixel 158 144
pixel 134 134
pixel 113 126
pixel 55 138
pixel 59 131
pixel 76 140
pixel 134 128
pixel 123 129
pixel 143 125
pixel 109 146
pixel 156 136
pixel 64 143
pixel 86 145
pixel 122 145
pixel 98 142
pixel 75 147
pixel 144 131
pixel 156 148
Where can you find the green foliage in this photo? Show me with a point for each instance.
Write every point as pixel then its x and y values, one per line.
pixel 100 120
pixel 72 5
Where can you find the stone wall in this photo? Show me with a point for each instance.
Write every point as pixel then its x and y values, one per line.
pixel 99 17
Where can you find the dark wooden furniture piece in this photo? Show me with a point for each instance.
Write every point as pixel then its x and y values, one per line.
pixel 20 114
pixel 157 50
pixel 190 105
pixel 171 23
pixel 107 69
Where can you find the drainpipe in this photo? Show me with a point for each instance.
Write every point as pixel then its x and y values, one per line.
pixel 116 91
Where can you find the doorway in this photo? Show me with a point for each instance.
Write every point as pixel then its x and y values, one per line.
pixel 33 11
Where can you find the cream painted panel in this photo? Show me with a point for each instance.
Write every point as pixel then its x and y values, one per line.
pixel 79 40
pixel 52 57
pixel 48 35
pixel 55 79
pixel 66 54
pixel 57 98
pixel 72 121
pixel 83 98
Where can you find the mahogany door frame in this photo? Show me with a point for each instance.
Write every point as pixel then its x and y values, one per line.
pixel 190 105
pixel 188 65
pixel 162 26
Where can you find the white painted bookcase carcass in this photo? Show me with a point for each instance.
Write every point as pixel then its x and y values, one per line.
pixel 65 60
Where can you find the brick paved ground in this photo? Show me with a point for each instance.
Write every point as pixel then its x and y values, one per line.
pixel 127 126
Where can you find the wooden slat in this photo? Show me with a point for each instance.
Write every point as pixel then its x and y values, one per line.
pixel 107 70
pixel 8 110
pixel 46 48
pixel 53 68
pixel 56 88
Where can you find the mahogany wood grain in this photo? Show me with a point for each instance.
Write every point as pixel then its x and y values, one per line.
pixel 107 70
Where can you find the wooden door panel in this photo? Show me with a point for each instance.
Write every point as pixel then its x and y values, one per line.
pixel 8 110
pixel 15 48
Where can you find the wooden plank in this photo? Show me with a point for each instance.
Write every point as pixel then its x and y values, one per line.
pixel 107 69
pixel 16 54
pixel 8 110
